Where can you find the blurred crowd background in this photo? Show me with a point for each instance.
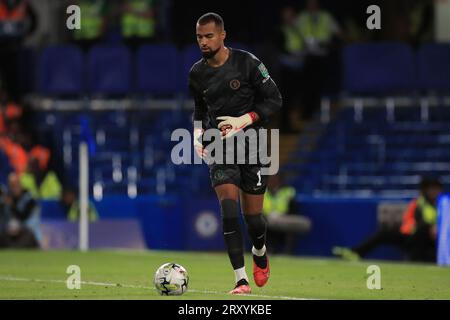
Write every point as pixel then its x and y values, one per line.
pixel 267 27
pixel 365 112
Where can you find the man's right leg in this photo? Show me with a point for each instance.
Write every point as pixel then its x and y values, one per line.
pixel 228 197
pixel 380 237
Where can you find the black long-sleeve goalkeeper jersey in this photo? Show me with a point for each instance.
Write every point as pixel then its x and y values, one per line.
pixel 241 85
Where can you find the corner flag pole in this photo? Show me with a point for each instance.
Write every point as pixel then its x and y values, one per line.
pixel 84 197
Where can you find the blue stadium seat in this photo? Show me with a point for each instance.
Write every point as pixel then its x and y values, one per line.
pixel 434 67
pixel 157 67
pixel 378 68
pixel 190 55
pixel 357 162
pixel 109 70
pixel 111 187
pixel 61 70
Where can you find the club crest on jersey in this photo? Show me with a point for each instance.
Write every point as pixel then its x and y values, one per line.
pixel 235 84
pixel 219 175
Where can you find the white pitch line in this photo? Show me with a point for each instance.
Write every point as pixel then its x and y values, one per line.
pixel 103 284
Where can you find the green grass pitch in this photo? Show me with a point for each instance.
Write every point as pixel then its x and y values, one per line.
pixel 129 275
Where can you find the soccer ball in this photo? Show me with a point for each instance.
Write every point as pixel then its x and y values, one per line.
pixel 171 279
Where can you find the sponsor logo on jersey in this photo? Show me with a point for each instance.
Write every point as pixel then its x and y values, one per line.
pixel 262 68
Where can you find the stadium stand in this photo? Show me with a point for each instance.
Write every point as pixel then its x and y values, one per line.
pixel 383 149
pixel 61 70
pixel 377 156
pixel 157 67
pixel 375 146
pixel 362 150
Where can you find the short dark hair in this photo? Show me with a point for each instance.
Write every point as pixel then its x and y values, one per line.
pixel 430 181
pixel 211 17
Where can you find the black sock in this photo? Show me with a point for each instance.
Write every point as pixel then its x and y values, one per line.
pixel 260 261
pixel 242 282
pixel 232 233
pixel 256 225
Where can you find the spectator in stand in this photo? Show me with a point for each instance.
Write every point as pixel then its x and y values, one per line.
pixel 93 23
pixel 39 181
pixel 17 20
pixel 9 111
pixel 11 131
pixel 72 206
pixel 421 17
pixel 417 233
pixel 17 143
pixel 138 22
pixel 284 223
pixel 22 227
pixel 18 157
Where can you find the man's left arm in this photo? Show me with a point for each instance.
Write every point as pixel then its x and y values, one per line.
pixel 268 103
pixel 270 97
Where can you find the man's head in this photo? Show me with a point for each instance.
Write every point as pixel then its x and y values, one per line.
pixel 33 166
pixel 14 185
pixel 210 34
pixel 288 15
pixel 431 188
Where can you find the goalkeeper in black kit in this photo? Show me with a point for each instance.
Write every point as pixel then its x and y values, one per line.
pixel 233 92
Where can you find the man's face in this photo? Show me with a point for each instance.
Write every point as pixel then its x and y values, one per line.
pixel 210 39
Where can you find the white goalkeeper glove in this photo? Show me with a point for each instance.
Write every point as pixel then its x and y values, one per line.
pixel 198 146
pixel 236 124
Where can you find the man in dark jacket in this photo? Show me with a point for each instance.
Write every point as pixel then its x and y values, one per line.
pixel 22 228
pixel 417 233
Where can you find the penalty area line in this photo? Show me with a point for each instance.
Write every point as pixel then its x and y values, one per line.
pixel 107 284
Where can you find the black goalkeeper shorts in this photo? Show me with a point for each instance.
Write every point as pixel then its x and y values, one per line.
pixel 246 174
pixel 247 177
